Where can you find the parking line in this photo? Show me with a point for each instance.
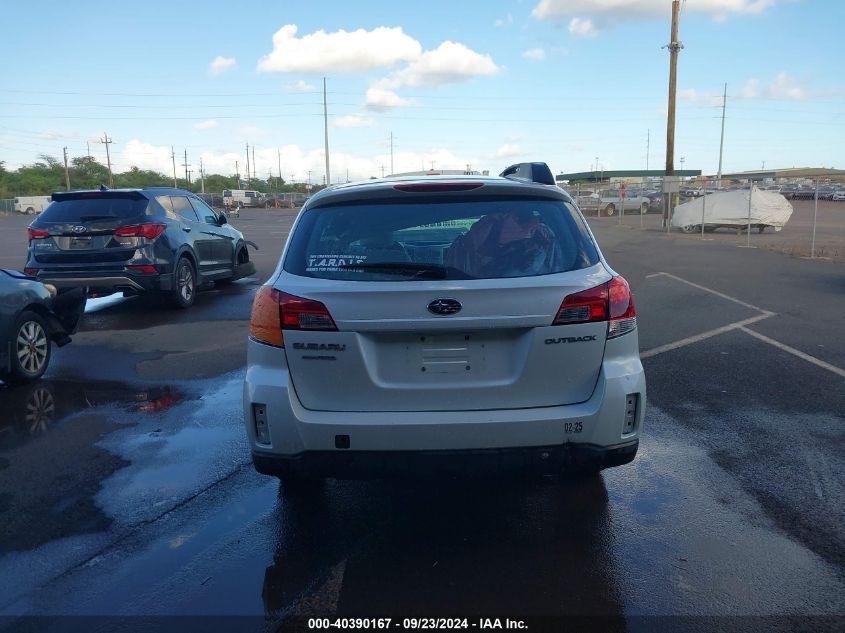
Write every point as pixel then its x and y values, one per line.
pixel 738 325
pixel 795 352
pixel 711 291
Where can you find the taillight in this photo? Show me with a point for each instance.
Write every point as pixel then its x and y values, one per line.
pixel 586 306
pixel 623 316
pixel 305 314
pixel 265 325
pixel 142 268
pixel 437 186
pixel 30 271
pixel 611 302
pixel 274 311
pixel 150 231
pixel 36 234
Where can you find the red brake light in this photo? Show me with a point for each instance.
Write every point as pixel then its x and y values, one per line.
pixel 142 268
pixel 429 187
pixel 150 231
pixel 304 314
pixel 30 271
pixel 36 234
pixel 611 301
pixel 586 306
pixel 621 299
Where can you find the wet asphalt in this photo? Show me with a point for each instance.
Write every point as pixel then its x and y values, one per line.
pixel 126 487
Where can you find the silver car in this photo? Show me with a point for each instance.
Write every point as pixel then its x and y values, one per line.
pixel 444 325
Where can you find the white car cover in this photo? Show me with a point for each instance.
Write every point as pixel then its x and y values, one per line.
pixel 730 208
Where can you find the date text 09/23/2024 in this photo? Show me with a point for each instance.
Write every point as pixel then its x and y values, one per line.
pixel 415 623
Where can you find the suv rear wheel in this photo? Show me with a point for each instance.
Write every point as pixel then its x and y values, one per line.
pixel 184 284
pixel 30 348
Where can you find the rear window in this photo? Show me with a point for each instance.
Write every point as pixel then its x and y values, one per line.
pixel 480 239
pixel 100 208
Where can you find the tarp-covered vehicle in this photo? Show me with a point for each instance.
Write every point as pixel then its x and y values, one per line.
pixel 730 209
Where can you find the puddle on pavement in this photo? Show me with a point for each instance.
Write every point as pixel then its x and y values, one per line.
pixel 51 464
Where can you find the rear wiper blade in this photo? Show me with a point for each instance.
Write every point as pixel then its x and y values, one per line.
pixel 401 268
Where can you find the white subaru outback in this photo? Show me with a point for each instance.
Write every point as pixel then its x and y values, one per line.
pixel 443 325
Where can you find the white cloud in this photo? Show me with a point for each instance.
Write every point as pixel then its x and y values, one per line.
pixel 508 150
pixel 451 62
pixel 294 159
pixel 750 89
pixel 206 125
pixel 507 20
pixel 352 120
pixel 221 64
pixel 339 51
pixel 587 16
pixel 785 87
pixel 380 99
pixel 582 27
pixel 535 54
pixel 300 86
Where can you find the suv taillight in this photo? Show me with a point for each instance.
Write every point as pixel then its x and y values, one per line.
pixel 150 231
pixel 274 311
pixel 611 302
pixel 305 314
pixel 36 234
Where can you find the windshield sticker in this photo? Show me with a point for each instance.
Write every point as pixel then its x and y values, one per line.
pixel 332 263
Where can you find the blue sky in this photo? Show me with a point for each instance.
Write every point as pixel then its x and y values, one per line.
pixel 480 83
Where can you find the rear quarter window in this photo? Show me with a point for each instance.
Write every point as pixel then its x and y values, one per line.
pixel 470 239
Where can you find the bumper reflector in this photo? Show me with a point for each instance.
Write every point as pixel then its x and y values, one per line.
pixel 262 427
pixel 632 404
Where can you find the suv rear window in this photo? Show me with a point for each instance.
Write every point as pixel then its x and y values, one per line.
pixel 477 239
pixel 99 208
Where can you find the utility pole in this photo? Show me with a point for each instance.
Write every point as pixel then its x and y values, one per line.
pixel 674 47
pixel 391 154
pixel 253 162
pixel 202 178
pixel 381 167
pixel 173 158
pixel 722 138
pixel 309 178
pixel 67 174
pixel 237 176
pixel 279 157
pixel 247 164
pixel 106 141
pixel 326 130
pixel 185 165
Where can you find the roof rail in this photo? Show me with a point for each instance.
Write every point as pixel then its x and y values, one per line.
pixel 530 172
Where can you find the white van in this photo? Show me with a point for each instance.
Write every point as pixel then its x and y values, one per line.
pixel 245 197
pixel 32 204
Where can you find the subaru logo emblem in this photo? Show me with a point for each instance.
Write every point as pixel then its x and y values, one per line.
pixel 444 306
pixel 79 229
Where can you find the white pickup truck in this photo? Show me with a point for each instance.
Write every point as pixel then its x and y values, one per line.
pixel 610 200
pixel 32 204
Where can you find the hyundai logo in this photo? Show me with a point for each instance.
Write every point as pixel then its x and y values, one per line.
pixel 78 229
pixel 444 306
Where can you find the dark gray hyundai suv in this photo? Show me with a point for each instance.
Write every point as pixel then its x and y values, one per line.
pixel 134 241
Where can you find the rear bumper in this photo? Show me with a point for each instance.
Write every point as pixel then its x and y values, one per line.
pixel 114 282
pixel 531 461
pixel 335 442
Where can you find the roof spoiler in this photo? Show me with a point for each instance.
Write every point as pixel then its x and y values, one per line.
pixel 530 172
pixel 95 193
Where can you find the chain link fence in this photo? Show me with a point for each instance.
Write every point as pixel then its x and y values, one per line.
pixel 803 218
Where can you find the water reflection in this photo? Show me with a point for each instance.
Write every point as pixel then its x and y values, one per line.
pixel 481 548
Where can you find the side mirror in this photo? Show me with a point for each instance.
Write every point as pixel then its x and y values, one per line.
pixel 221 219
